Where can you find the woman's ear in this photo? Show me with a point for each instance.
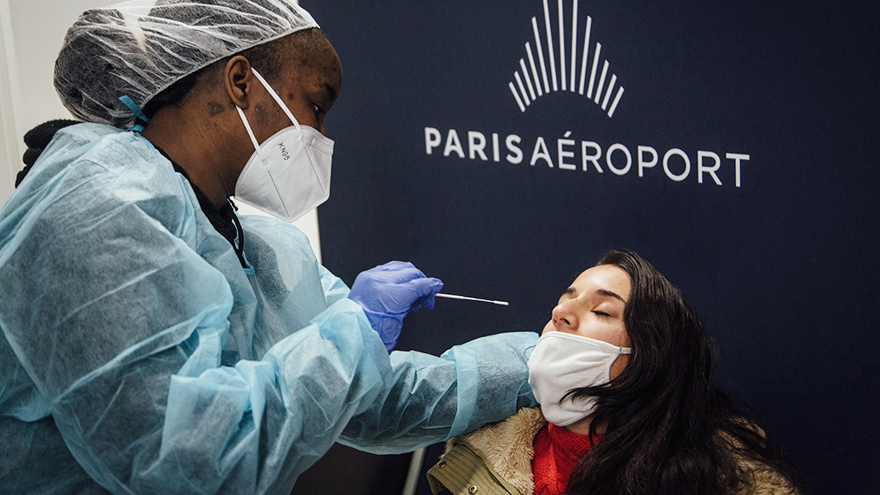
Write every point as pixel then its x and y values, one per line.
pixel 239 81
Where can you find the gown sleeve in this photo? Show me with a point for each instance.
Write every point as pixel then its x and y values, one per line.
pixel 334 288
pixel 432 399
pixel 120 323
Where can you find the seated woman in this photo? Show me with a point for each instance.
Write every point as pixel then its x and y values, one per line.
pixel 624 373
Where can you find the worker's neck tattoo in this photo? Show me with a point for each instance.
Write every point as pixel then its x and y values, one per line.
pixel 216 108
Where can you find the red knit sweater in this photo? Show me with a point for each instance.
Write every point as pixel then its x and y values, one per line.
pixel 557 452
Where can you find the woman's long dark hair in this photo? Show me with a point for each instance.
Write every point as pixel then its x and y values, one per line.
pixel 670 429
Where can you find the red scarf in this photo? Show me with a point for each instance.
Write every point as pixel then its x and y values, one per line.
pixel 557 452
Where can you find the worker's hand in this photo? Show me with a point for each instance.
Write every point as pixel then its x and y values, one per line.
pixel 388 292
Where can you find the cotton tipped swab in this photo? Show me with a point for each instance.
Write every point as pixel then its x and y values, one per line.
pixel 477 299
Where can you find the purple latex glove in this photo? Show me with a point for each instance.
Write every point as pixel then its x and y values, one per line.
pixel 388 292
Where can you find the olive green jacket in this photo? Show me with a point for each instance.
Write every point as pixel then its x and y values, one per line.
pixel 497 460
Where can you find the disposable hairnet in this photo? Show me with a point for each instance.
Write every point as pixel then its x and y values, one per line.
pixel 140 47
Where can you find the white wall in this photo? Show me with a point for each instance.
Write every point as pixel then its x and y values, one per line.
pixel 31 33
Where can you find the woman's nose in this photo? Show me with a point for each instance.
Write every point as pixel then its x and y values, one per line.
pixel 563 317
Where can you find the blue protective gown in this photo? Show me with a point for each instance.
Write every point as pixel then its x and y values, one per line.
pixel 139 356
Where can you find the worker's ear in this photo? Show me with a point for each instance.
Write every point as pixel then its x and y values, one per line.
pixel 239 81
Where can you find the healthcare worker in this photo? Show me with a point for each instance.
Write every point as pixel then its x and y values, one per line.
pixel 155 342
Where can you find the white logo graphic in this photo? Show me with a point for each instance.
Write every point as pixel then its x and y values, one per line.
pixel 553 67
pixel 526 94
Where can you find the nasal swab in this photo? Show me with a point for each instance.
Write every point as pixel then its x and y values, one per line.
pixel 465 298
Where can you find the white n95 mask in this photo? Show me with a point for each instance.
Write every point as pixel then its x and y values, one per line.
pixel 289 174
pixel 562 362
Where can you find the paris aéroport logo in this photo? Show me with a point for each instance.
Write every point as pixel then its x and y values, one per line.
pixel 562 54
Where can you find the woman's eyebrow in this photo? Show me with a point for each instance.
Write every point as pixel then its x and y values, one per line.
pixel 605 292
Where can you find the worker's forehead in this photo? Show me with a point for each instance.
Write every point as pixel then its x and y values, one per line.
pixel 318 63
pixel 313 48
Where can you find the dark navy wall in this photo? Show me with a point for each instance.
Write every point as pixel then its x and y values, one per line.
pixel 783 268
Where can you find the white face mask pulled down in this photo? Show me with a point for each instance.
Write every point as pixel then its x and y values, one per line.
pixel 289 174
pixel 562 362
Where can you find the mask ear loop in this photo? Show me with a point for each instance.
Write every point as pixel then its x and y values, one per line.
pixel 250 133
pixel 276 98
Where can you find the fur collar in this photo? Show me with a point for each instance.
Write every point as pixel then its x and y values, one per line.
pixel 508 447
